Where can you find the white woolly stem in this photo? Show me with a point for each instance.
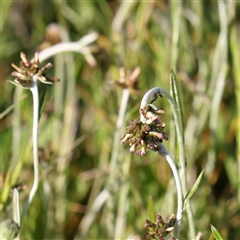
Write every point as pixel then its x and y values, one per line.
pixel 34 90
pixel 152 93
pixel 16 209
pixel 164 152
pixel 79 47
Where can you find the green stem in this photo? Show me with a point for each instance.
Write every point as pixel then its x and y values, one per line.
pixel 176 12
pixel 115 160
pixel 96 206
pixel 123 200
pixel 106 194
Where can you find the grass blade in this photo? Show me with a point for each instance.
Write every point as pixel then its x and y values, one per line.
pixel 42 100
pixel 150 209
pixel 193 189
pixel 216 234
pixel 176 96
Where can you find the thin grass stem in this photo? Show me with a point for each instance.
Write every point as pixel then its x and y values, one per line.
pixel 114 169
pixel 96 206
pixel 123 200
pixel 120 121
pixel 105 194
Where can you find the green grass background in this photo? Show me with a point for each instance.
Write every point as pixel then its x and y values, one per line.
pixel 199 40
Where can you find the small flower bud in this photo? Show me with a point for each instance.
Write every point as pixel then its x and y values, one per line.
pixel 160 219
pixel 17 68
pixel 151 115
pixel 171 221
pixel 125 138
pixel 143 148
pixel 169 229
pixel 36 60
pixel 148 224
pixel 133 148
pixel 159 111
pixel 43 69
pixel 26 62
pixel 149 236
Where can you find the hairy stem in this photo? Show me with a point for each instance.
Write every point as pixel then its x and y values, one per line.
pixel 153 93
pixel 164 152
pixel 16 209
pixel 34 90
pixel 79 47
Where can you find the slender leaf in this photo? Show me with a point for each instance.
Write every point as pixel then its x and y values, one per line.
pixel 150 209
pixel 11 107
pixel 176 96
pixel 216 234
pixel 42 99
pixel 193 189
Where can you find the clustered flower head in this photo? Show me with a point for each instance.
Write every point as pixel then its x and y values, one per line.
pixel 160 229
pixel 27 70
pixel 147 134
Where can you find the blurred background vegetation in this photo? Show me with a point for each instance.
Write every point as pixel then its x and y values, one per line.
pixel 199 40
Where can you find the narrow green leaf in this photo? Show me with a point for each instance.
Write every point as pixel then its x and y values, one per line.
pixel 42 99
pixel 176 96
pixel 216 234
pixel 193 189
pixel 10 108
pixel 151 211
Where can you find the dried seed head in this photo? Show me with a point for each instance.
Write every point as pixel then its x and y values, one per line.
pixel 129 80
pixel 27 70
pixel 148 134
pixel 159 229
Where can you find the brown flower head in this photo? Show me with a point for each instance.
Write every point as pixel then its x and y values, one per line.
pixel 129 79
pixel 148 134
pixel 27 70
pixel 159 229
